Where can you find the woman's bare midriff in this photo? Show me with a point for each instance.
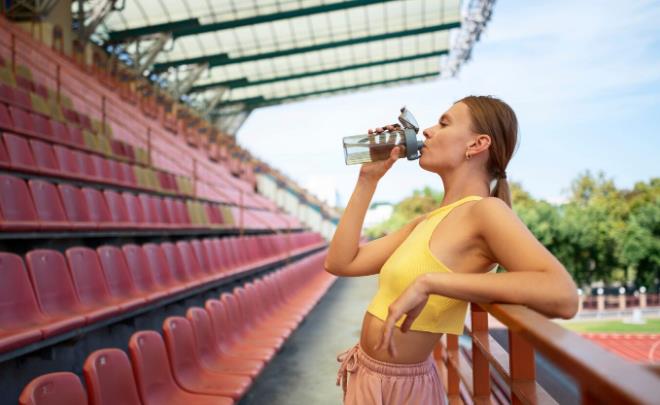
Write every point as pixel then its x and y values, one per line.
pixel 412 346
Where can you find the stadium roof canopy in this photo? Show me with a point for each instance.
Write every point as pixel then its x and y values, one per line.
pixel 229 57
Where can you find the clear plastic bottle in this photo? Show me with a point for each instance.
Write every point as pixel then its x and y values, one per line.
pixel 374 147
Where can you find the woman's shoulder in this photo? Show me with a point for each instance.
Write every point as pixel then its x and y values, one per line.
pixel 492 212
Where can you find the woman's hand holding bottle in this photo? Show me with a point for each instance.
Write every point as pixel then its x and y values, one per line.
pixel 373 171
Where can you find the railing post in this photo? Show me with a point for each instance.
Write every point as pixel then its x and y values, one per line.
pixel 480 364
pixel 453 378
pixel 521 363
pixel 642 297
pixel 622 299
pixel 600 301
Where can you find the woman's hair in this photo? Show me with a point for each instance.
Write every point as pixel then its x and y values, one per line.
pixel 494 117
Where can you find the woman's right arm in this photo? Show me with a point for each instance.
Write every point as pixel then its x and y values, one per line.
pixel 345 256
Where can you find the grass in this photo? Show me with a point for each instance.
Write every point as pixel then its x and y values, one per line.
pixel 652 325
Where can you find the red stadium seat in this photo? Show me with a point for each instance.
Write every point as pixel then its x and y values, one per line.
pixel 61 388
pixel 20 154
pixel 117 276
pixel 153 374
pixel 41 125
pixel 53 286
pixel 20 314
pixel 102 168
pixel 134 210
pixel 44 157
pixel 48 205
pixel 255 325
pixel 207 349
pixel 140 270
pixel 109 378
pixel 21 119
pixel 17 211
pixel 116 171
pixel 160 269
pixel 6 121
pixel 172 211
pixel 226 341
pixel 128 174
pixel 176 265
pixel 191 264
pixel 118 210
pixel 66 160
pixel 242 327
pixel 4 156
pixel 99 211
pixel 186 367
pixel 60 131
pixel 75 207
pixel 76 135
pixel 86 165
pixel 91 285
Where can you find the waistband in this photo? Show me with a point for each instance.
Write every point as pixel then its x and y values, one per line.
pixel 354 357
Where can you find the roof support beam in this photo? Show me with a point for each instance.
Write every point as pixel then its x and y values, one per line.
pixel 120 36
pixel 155 49
pixel 192 26
pixel 214 101
pixel 246 83
pixel 187 83
pixel 253 102
pixel 223 59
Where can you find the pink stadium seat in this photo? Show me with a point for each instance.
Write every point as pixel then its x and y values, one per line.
pixel 162 213
pixel 242 327
pixel 128 174
pixel 148 206
pixel 176 264
pixel 253 321
pixel 41 125
pixel 118 278
pixel 44 157
pixel 102 168
pixel 75 207
pixel 134 210
pixel 160 269
pixel 86 165
pixel 48 205
pixel 109 378
pixel 172 211
pixel 20 154
pixel 20 316
pixel 207 349
pixel 202 256
pixel 76 136
pixel 227 342
pixel 17 211
pixel 66 160
pixel 116 171
pixel 153 374
pixel 54 288
pixel 21 119
pixel 187 369
pixel 117 206
pixel 4 156
pixel 6 121
pixel 191 264
pixel 92 286
pixel 141 274
pixel 99 211
pixel 60 132
pixel 209 247
pixel 61 388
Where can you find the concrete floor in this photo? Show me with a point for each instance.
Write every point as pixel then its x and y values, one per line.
pixel 305 370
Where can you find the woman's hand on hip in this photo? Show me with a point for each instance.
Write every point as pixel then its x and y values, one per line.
pixel 410 303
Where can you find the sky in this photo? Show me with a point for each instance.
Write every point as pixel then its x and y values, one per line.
pixel 583 78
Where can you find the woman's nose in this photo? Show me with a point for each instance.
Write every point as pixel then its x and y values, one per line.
pixel 426 134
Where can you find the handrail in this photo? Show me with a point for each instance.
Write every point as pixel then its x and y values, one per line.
pixel 602 377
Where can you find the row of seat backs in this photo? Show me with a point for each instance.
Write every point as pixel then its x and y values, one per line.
pixel 150 376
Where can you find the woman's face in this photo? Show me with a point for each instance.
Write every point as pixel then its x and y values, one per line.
pixel 446 142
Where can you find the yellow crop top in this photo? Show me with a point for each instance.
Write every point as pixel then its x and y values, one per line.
pixel 412 258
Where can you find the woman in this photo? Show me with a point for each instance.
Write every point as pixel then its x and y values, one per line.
pixel 433 266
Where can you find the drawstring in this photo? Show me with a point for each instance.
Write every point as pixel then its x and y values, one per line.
pixel 348 359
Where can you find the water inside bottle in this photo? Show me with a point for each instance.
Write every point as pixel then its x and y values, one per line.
pixel 373 147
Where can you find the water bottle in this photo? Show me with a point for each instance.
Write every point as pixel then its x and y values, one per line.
pixel 374 147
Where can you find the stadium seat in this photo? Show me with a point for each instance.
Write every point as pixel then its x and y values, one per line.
pixel 102 168
pixel 153 374
pixel 17 211
pixel 141 274
pixel 227 342
pixel 54 287
pixel 186 367
pixel 109 378
pixel 191 264
pixel 86 166
pixel 134 210
pixel 242 327
pixel 75 207
pixel 118 277
pixel 21 119
pixel 253 322
pixel 176 265
pixel 161 271
pixel 207 348
pixel 99 211
pixel 20 154
pixel 92 286
pixel 48 205
pixel 20 316
pixel 61 388
pixel 44 157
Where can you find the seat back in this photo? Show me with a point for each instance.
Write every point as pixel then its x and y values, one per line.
pixel 109 378
pixel 134 209
pixel 153 373
pixel 139 268
pixel 221 324
pixel 17 300
pixel 52 282
pixel 117 206
pixel 117 276
pixel 160 268
pixel 175 262
pixel 61 388
pixel 15 200
pixel 44 157
pixel 47 201
pixel 201 255
pixel 181 348
pixel 19 151
pixel 87 276
pixel 75 205
pixel 66 160
pixel 97 206
pixel 203 334
pixel 189 259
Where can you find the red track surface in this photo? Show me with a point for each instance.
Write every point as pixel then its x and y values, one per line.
pixel 637 347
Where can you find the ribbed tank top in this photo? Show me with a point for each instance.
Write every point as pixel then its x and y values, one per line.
pixel 411 259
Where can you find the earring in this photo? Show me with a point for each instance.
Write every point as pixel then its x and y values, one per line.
pixel 467 155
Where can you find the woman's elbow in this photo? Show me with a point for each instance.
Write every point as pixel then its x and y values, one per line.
pixel 569 306
pixel 327 266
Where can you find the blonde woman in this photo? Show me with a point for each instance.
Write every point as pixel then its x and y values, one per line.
pixel 430 269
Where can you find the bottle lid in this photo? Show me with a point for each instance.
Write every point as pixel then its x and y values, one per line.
pixel 408 120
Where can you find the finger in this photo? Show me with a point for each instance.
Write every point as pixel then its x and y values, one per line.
pixel 392 349
pixel 405 326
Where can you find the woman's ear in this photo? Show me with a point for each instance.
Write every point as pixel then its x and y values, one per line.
pixel 479 143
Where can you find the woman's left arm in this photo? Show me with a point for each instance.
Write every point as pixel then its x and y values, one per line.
pixel 534 277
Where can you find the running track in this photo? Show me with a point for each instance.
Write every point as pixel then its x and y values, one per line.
pixel 637 347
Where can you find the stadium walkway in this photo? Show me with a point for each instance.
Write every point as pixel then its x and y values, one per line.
pixel 305 370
